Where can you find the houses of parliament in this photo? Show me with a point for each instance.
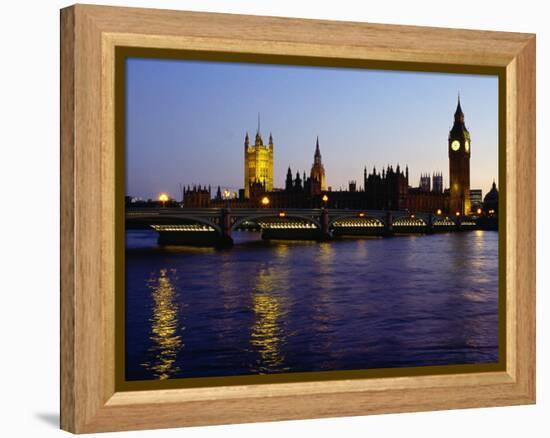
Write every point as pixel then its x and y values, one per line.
pixel 385 189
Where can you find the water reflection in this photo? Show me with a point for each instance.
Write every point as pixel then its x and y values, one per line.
pixel 164 337
pixel 322 315
pixel 267 334
pixel 271 307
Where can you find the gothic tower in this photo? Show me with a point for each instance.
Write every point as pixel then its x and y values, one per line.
pixel 289 184
pixel 318 170
pixel 459 164
pixel 258 162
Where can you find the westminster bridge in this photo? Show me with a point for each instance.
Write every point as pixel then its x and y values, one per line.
pixel 214 226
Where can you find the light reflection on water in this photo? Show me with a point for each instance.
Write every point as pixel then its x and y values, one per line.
pixel 165 336
pixel 267 336
pixel 269 307
pixel 302 306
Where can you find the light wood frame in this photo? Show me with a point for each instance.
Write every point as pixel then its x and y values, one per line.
pixel 89 36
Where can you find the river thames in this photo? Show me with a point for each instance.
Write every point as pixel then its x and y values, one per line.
pixel 271 307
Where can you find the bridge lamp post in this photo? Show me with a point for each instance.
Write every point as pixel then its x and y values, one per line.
pixel 265 201
pixel 163 197
pixel 325 199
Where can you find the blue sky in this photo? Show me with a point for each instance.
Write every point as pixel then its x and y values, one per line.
pixel 186 122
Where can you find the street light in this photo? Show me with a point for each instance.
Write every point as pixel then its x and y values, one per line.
pixel 325 199
pixel 438 212
pixel 479 211
pixel 457 213
pixel 163 197
pixel 265 201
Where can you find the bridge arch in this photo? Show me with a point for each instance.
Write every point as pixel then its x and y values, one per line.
pixel 150 220
pixel 256 218
pixel 368 219
pixel 409 221
pixel 444 222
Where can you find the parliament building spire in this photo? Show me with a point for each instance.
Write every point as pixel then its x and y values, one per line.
pixel 318 170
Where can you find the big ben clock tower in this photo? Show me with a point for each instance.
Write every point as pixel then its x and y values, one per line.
pixel 459 165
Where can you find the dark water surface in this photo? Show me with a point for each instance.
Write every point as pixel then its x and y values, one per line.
pixel 303 306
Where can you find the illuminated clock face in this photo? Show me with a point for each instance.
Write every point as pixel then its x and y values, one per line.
pixel 455 145
pixel 467 146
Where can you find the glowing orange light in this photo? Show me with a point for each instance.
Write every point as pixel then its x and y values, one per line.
pixel 439 211
pixel 282 214
pixel 413 216
pixel 163 197
pixel 479 211
pixel 325 198
pixel 361 214
pixel 265 200
pixel 457 213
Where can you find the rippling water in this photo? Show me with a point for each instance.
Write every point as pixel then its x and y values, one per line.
pixel 275 307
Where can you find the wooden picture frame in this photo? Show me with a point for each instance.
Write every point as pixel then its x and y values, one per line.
pixel 90 35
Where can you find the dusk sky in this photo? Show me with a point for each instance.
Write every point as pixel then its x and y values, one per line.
pixel 186 122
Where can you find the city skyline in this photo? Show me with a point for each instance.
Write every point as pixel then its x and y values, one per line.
pixel 194 120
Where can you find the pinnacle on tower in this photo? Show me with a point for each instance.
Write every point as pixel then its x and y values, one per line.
pixel 317 149
pixel 459 114
pixel 258 141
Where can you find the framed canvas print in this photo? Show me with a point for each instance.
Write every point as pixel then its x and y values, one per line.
pixel 318 219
